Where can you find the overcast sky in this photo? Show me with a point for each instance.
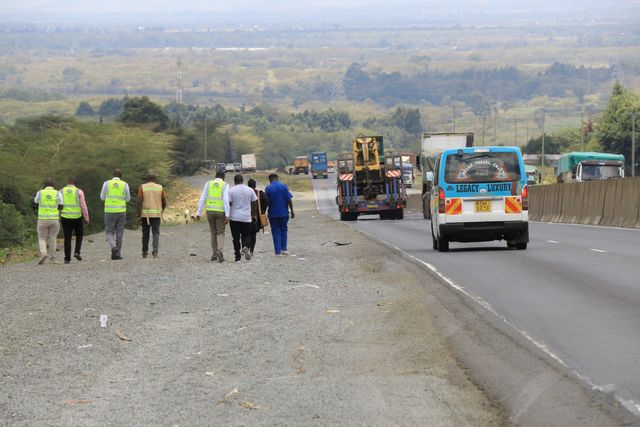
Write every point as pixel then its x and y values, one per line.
pixel 324 10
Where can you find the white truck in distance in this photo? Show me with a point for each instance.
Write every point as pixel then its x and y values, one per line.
pixel 248 162
pixel 431 145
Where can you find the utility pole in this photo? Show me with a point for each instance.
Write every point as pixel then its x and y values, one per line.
pixel 633 144
pixel 515 131
pixel 542 151
pixel 495 125
pixel 205 137
pixel 454 117
pixel 581 130
pixel 484 121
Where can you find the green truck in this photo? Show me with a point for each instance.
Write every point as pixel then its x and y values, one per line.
pixel 587 166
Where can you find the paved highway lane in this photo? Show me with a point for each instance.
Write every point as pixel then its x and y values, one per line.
pixel 576 289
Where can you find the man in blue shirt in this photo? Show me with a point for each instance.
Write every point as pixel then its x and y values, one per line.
pixel 279 206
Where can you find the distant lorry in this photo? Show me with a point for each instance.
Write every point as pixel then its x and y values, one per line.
pixel 301 165
pixel 331 166
pixel 248 162
pixel 368 182
pixel 589 166
pixel 221 167
pixel 432 144
pixel 534 176
pixel 319 167
pixel 405 163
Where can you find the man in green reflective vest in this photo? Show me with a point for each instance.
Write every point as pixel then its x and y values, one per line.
pixel 115 194
pixel 73 211
pixel 215 201
pixel 152 200
pixel 49 203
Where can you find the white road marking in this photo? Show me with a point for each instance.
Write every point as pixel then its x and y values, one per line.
pixel 552 241
pixel 599 250
pixel 631 405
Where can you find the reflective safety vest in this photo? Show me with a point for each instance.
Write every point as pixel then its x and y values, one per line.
pixel 48 204
pixel 115 201
pixel 151 200
pixel 214 199
pixel 71 203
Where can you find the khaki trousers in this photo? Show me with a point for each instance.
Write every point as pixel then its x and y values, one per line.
pixel 217 226
pixel 47 233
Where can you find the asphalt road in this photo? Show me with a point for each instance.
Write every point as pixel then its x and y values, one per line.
pixel 575 291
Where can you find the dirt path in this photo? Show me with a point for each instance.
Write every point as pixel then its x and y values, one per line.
pixel 333 335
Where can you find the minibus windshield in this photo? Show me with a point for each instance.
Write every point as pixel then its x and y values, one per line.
pixel 482 167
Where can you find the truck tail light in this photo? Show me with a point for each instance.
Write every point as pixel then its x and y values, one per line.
pixel 441 201
pixel 525 198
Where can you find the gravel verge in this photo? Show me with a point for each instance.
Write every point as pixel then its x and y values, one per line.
pixel 336 335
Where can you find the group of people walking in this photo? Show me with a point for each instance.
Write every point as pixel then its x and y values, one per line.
pixel 243 207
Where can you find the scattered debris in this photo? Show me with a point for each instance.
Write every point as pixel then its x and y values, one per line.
pixel 85 346
pixel 302 259
pixel 193 255
pixel 242 328
pixel 77 401
pixel 382 304
pixel 293 281
pixel 103 320
pixel 209 373
pixel 331 311
pixel 223 295
pixel 306 286
pixel 231 393
pixel 248 405
pixel 185 312
pixel 121 335
pixel 341 243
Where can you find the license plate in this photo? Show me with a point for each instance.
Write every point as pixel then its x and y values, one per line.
pixel 483 205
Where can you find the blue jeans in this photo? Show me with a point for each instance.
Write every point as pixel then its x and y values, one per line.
pixel 279 232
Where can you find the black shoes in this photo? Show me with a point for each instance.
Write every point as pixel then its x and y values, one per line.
pixel 115 255
pixel 77 256
pixel 220 256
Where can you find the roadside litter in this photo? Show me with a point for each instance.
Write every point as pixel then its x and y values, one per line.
pixel 121 335
pixel 103 320
pixel 332 311
pixel 306 286
pixel 248 405
pixel 342 243
pixel 85 346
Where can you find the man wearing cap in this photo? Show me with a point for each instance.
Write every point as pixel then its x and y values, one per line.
pixel 214 200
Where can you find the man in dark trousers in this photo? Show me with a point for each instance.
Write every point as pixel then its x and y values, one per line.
pixel 73 211
pixel 280 204
pixel 244 210
pixel 152 200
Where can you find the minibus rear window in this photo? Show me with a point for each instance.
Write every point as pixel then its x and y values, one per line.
pixel 482 167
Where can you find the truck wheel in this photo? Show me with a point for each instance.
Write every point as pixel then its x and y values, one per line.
pixel 384 215
pixel 434 241
pixel 443 244
pixel 426 209
pixel 399 214
pixel 348 216
pixel 521 246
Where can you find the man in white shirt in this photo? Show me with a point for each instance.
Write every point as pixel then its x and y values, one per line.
pixel 214 200
pixel 244 210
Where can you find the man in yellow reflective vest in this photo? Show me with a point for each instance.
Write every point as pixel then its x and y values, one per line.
pixel 215 201
pixel 115 194
pixel 74 209
pixel 49 203
pixel 152 200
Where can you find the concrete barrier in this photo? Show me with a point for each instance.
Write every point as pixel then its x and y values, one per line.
pixel 614 203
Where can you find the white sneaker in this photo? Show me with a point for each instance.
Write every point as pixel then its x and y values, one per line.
pixel 284 253
pixel 246 253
